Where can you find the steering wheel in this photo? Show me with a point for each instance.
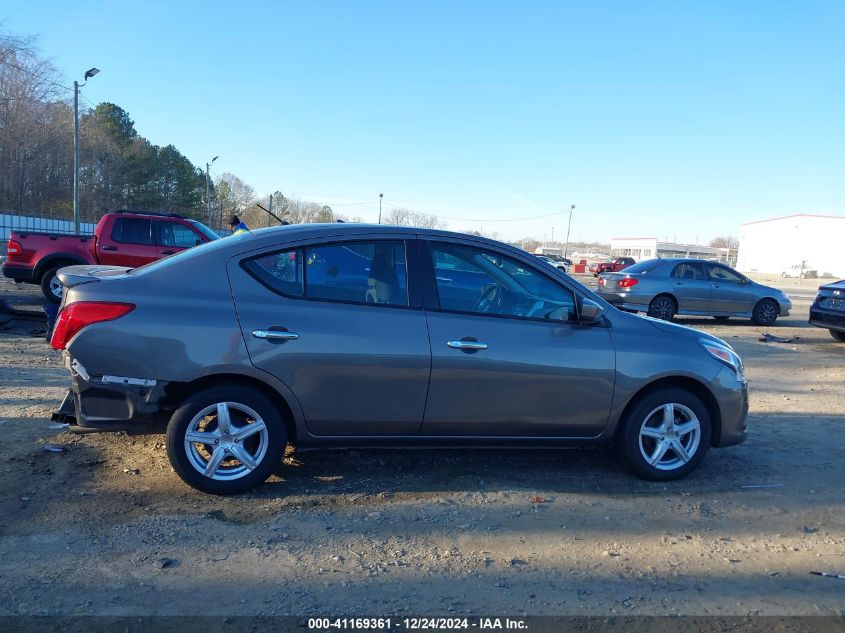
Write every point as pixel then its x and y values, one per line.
pixel 490 296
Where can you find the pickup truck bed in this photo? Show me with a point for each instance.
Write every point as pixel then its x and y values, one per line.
pixel 120 239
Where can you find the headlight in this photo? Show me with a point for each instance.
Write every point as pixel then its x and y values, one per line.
pixel 726 356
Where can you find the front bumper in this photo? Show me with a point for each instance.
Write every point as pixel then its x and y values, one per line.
pixel 111 403
pixel 732 398
pixel 18 273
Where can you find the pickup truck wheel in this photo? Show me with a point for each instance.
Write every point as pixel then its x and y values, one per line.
pixel 666 434
pixel 226 440
pixel 839 336
pixel 51 287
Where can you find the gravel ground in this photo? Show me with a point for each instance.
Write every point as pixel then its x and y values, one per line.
pixel 105 527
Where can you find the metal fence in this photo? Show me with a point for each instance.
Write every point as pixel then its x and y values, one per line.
pixel 10 221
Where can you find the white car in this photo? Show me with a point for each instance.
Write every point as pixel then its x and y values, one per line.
pixel 559 265
pixel 799 272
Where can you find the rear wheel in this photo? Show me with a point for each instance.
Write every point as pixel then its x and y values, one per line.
pixel 226 440
pixel 839 336
pixel 666 434
pixel 662 307
pixel 51 287
pixel 765 312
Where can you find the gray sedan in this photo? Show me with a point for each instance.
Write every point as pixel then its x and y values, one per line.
pixel 663 288
pixel 341 335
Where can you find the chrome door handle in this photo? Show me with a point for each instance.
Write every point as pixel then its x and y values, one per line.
pixel 467 345
pixel 275 335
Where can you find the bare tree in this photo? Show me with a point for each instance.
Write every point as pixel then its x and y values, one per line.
pixel 407 217
pixel 726 241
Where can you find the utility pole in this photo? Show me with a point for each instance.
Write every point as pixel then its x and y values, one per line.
pixel 568 227
pixel 90 73
pixel 208 187
pixel 380 196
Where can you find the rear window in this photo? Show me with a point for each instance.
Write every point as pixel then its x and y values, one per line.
pixel 643 267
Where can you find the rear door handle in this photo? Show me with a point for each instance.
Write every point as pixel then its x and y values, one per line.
pixel 167 252
pixel 467 346
pixel 275 335
pixel 109 248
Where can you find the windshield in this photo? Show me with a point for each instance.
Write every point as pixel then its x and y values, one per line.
pixel 202 228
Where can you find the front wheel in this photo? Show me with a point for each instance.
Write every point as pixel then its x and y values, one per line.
pixel 666 434
pixel 839 336
pixel 51 287
pixel 765 312
pixel 226 440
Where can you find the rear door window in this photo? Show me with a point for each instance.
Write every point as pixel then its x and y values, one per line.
pixel 357 272
pixel 689 270
pixel 132 231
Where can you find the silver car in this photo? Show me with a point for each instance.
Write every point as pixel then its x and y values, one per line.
pixel 663 288
pixel 343 335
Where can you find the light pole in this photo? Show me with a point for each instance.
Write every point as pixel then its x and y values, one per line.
pixel 208 188
pixel 90 73
pixel 380 196
pixel 568 226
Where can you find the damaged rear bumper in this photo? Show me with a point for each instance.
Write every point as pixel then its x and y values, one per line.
pixel 110 403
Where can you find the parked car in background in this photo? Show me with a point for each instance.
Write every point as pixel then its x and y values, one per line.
pixel 560 264
pixel 800 272
pixel 614 265
pixel 828 309
pixel 663 288
pixel 122 238
pixel 447 340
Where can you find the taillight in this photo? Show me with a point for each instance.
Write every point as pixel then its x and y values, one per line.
pixel 81 314
pixel 601 281
pixel 627 282
pixel 14 248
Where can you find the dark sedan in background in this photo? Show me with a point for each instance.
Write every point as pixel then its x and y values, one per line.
pixel 828 309
pixel 663 288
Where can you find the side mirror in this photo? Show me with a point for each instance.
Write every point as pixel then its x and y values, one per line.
pixel 199 241
pixel 591 312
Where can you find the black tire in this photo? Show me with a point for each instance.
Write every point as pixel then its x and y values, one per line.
pixel 662 307
pixel 646 411
pixel 47 285
pixel 765 312
pixel 235 477
pixel 721 318
pixel 839 336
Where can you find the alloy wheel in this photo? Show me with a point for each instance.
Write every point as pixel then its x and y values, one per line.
pixel 669 436
pixel 226 441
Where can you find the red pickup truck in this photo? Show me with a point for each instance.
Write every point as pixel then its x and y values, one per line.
pixel 122 238
pixel 613 266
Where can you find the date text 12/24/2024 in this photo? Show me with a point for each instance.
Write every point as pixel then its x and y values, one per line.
pixel 416 624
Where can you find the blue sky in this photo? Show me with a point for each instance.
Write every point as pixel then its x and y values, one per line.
pixel 667 119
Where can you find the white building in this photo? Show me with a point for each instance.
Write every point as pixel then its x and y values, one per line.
pixel 641 248
pixel 794 242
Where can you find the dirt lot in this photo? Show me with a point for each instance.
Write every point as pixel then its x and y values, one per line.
pixel 84 531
